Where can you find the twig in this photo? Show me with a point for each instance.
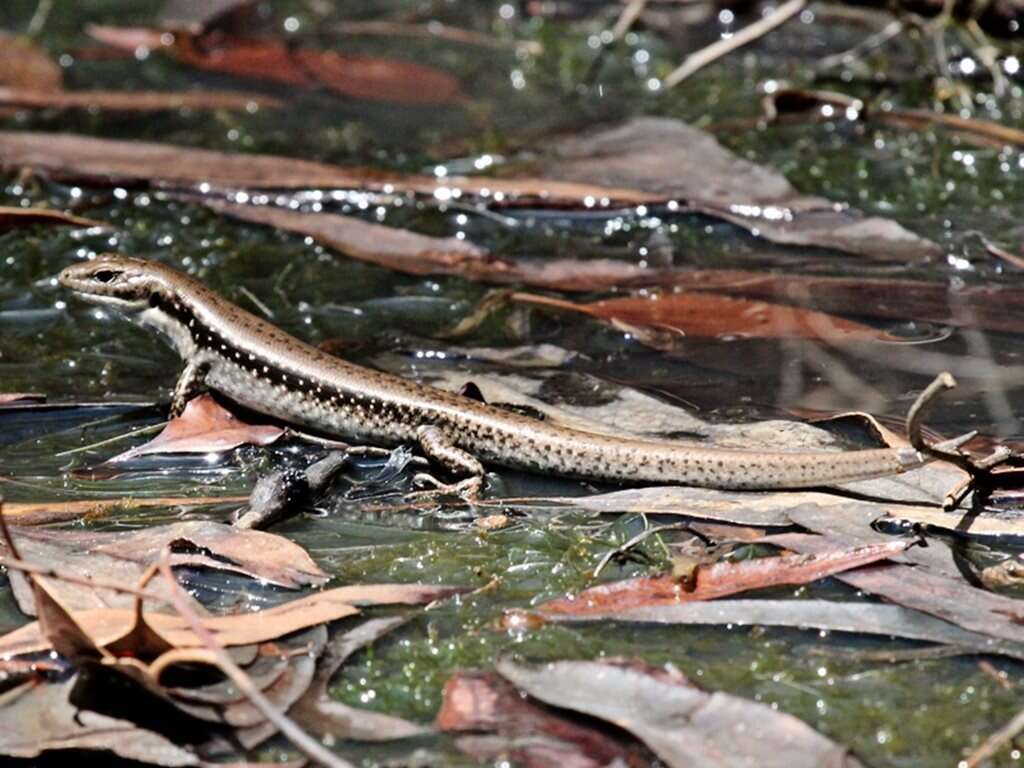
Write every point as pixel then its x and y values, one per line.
pixel 996 741
pixel 255 300
pixel 700 59
pixel 115 439
pixel 877 40
pixel 35 25
pixel 628 17
pixel 309 746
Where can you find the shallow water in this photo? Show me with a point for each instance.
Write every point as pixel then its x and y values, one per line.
pixel 919 713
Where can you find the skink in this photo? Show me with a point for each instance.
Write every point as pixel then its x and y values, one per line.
pixel 261 367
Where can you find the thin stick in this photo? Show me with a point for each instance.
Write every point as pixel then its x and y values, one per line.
pixel 996 741
pixel 114 439
pixel 700 59
pixel 35 25
pixel 623 548
pixel 309 746
pixel 627 18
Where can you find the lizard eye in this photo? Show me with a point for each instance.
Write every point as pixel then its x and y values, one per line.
pixel 105 276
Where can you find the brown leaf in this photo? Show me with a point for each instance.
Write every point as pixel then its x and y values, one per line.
pixel 123 557
pixel 204 426
pixel 22 65
pixel 674 161
pixel 134 101
pixel 831 615
pixel 485 702
pixel 711 316
pixel 990 306
pixel 721 579
pixel 24 217
pixel 642 162
pixel 107 625
pixel 43 512
pixel 682 724
pixel 362 77
pixel 946 597
pixel 397 249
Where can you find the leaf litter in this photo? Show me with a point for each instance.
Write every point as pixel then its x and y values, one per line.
pixel 133 651
pixel 682 724
pixel 646 161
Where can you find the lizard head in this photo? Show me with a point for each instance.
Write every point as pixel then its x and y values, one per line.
pixel 116 281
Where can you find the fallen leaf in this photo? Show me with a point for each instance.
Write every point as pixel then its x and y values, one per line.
pixel 945 597
pixel 43 512
pixel 485 702
pixel 831 615
pixel 107 626
pixel 358 76
pixel 709 315
pixel 674 161
pixel 25 217
pixel 682 724
pixel 988 306
pixel 23 65
pixel 123 557
pixel 721 579
pixel 204 426
pixel 134 101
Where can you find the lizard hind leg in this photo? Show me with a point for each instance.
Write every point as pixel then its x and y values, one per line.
pixel 440 449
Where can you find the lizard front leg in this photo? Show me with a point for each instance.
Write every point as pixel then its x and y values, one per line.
pixel 439 448
pixel 190 383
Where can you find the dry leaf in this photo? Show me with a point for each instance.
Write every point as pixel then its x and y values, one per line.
pixel 721 579
pixel 682 724
pixel 204 426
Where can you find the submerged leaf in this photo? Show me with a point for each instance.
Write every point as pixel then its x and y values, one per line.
pixel 710 315
pixel 204 426
pixel 485 702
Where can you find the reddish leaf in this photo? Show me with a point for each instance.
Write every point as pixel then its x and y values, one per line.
pixel 22 65
pixel 722 579
pixel 204 426
pixel 363 77
pixel 710 315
